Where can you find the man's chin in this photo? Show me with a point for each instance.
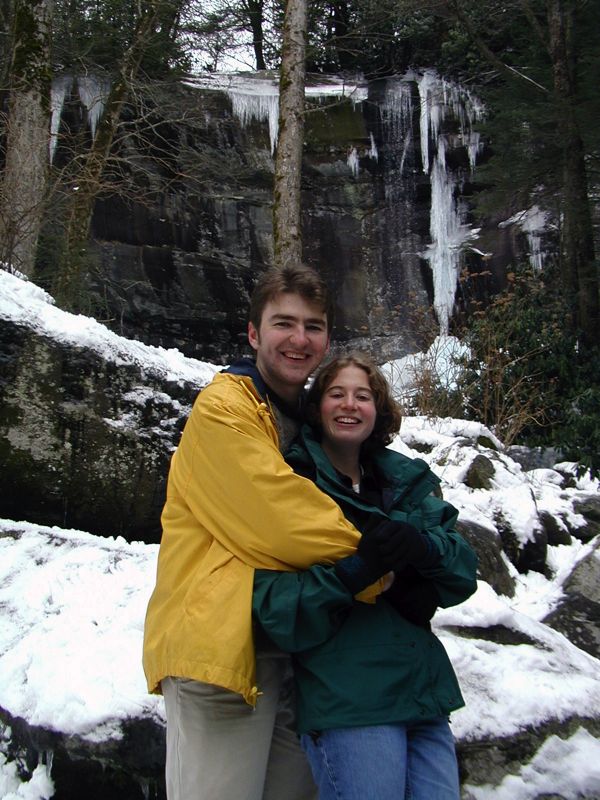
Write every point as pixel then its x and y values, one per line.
pixel 300 367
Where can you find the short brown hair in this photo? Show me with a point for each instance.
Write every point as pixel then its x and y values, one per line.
pixel 291 279
pixel 389 416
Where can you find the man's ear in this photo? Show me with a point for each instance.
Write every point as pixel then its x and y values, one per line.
pixel 253 337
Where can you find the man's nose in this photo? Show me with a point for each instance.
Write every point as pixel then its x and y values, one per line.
pixel 299 335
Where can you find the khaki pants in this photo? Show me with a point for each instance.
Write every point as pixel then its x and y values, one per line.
pixel 219 748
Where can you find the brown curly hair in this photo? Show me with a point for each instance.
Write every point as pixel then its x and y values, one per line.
pixel 389 416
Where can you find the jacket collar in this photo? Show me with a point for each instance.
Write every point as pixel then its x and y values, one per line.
pixel 248 368
pixel 409 479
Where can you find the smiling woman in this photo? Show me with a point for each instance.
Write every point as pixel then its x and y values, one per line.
pixel 374 684
pixel 347 415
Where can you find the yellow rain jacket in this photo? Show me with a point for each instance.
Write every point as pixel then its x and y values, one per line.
pixel 233 505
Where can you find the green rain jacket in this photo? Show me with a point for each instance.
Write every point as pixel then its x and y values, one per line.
pixel 365 664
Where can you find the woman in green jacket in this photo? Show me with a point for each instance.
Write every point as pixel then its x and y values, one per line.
pixel 374 684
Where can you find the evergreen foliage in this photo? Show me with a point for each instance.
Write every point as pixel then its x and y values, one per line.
pixel 93 36
pixel 528 376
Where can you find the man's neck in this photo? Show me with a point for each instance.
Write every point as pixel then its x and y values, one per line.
pixel 289 393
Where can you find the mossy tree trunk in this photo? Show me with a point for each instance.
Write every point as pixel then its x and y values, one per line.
pixel 287 233
pixel 24 180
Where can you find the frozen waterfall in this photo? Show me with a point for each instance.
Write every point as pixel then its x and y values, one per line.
pixel 439 101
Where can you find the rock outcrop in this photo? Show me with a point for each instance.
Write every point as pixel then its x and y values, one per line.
pixel 387 178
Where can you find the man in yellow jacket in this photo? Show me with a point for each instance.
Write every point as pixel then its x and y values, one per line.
pixel 233 505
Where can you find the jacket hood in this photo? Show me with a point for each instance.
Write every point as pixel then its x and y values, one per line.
pixel 248 368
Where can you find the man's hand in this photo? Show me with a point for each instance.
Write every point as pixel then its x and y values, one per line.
pixel 382 548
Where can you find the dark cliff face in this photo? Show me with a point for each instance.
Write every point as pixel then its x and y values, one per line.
pixel 173 265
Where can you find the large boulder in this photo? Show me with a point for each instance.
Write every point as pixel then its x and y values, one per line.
pixel 86 432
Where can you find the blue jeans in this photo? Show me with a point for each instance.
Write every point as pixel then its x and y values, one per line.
pixel 385 762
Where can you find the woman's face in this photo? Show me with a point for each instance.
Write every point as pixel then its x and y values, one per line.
pixel 347 409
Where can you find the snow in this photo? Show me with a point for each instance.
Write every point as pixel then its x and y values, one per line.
pixel 566 768
pixel 74 604
pixel 533 222
pixel 26 304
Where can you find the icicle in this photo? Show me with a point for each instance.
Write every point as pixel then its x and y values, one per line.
pixel 429 106
pixel 249 105
pixel 258 97
pixel 373 153
pixel 93 93
pixel 439 253
pixel 396 112
pixel 439 98
pixel 48 760
pixel 474 147
pixel 353 162
pixel 534 224
pixel 60 87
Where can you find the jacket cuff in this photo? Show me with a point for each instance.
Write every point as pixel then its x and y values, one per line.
pixel 354 573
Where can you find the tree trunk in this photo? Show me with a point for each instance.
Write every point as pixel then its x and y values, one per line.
pixel 26 167
pixel 254 9
pixel 577 243
pixel 287 237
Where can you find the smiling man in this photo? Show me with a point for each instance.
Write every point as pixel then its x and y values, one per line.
pixel 234 505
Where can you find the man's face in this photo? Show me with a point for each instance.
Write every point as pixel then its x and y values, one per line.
pixel 290 343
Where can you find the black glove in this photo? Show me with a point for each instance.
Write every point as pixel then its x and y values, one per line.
pixel 413 596
pixel 380 549
pixel 414 548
